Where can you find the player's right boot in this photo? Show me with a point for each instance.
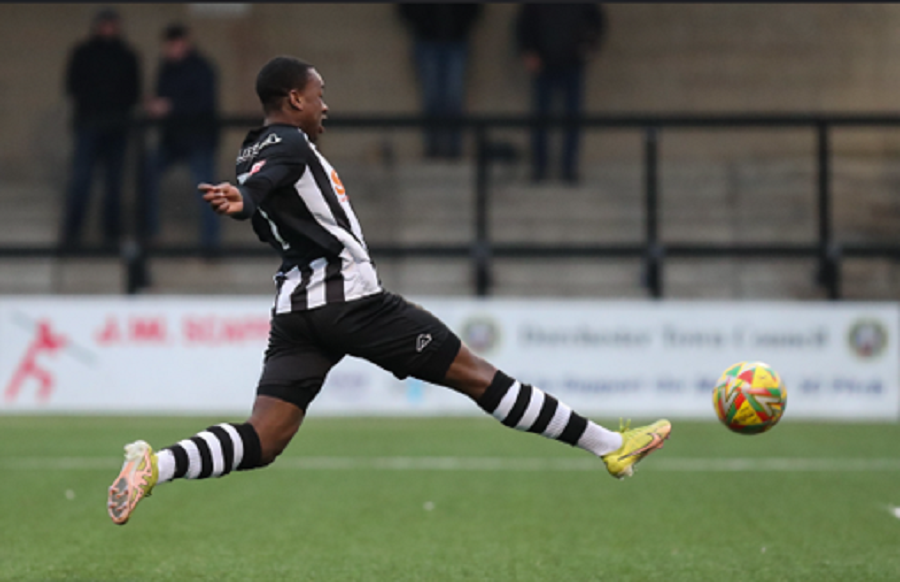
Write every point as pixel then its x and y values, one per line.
pixel 136 480
pixel 637 443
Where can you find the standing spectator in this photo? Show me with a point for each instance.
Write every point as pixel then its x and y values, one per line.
pixel 186 103
pixel 441 49
pixel 103 81
pixel 555 41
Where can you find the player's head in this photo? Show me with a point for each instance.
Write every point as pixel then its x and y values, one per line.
pixel 106 23
pixel 291 90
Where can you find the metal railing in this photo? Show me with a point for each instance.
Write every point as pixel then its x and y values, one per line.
pixel 829 252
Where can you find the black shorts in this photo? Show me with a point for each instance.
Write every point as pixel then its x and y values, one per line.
pixel 385 329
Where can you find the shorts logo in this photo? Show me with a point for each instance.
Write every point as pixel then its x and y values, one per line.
pixel 422 341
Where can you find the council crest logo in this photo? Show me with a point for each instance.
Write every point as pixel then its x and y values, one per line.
pixel 481 333
pixel 867 338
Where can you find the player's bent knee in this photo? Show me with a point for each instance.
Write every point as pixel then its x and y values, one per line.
pixel 469 373
pixel 276 422
pixel 274 443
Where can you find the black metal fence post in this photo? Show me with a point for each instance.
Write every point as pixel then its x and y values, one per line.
pixel 834 262
pixel 828 272
pixel 481 248
pixel 134 254
pixel 654 256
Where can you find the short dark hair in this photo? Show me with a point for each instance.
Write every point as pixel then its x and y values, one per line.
pixel 278 77
pixel 175 31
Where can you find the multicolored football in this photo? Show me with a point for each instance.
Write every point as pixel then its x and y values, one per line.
pixel 749 398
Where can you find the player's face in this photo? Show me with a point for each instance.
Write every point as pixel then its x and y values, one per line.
pixel 314 108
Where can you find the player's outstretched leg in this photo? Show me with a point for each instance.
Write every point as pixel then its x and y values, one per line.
pixel 527 408
pixel 530 409
pixel 214 452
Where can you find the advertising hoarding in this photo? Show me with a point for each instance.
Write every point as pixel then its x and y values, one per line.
pixel 202 355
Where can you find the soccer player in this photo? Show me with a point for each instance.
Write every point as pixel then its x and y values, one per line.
pixel 329 304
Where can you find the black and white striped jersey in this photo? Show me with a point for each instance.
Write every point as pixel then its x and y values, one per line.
pixel 298 205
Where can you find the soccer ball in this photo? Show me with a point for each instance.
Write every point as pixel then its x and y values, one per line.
pixel 749 398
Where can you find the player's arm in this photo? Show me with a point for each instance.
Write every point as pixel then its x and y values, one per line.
pixel 238 202
pixel 281 167
pixel 224 198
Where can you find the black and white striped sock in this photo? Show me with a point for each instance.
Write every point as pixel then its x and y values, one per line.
pixel 213 452
pixel 527 408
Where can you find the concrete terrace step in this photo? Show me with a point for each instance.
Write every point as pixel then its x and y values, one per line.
pixel 30 213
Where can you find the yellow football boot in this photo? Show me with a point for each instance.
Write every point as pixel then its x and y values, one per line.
pixel 637 443
pixel 136 480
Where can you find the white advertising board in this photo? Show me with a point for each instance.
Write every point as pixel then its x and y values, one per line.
pixel 641 359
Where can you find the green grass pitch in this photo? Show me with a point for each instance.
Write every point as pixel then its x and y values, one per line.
pixel 439 499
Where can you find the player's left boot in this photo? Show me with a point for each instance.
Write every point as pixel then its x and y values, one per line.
pixel 637 443
pixel 136 480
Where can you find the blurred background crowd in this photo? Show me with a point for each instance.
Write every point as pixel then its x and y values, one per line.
pixel 112 113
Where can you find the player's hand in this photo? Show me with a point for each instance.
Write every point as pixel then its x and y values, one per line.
pixel 223 198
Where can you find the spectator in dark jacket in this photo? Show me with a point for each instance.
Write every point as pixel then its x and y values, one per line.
pixel 186 104
pixel 555 41
pixel 103 81
pixel 441 46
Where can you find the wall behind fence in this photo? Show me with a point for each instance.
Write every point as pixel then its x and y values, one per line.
pixel 203 355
